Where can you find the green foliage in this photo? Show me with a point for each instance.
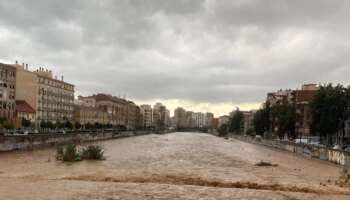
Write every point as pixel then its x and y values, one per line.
pixel 223 130
pixel 261 120
pixel 285 115
pixel 5 123
pixel 88 126
pixel 68 125
pixel 77 125
pixel 250 132
pixel 330 111
pixel 93 152
pixel 70 152
pixel 236 121
pixel 25 123
pixel 109 125
pixel 121 127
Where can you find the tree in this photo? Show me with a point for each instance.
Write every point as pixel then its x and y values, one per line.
pixel 25 123
pixel 236 121
pixel 223 130
pixel 77 125
pixel 50 125
pixel 261 120
pixel 330 111
pixel 68 125
pixel 88 126
pixel 285 115
pixel 109 126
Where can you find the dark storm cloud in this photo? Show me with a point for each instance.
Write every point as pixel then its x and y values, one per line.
pixel 204 51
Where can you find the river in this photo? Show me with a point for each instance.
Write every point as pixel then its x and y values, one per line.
pixel 171 166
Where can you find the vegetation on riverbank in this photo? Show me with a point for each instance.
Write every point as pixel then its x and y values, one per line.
pixel 344 179
pixel 71 152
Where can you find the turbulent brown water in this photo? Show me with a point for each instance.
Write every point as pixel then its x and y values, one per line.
pixel 173 166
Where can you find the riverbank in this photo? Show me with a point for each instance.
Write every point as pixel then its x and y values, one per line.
pixel 331 155
pixel 31 142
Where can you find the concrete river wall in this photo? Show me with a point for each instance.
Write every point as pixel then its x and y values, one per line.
pixel 331 155
pixel 30 142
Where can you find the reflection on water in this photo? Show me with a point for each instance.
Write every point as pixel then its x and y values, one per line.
pixel 175 166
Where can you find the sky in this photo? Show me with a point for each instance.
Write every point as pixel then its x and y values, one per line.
pixel 203 55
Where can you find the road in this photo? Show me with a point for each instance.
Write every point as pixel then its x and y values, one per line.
pixel 172 166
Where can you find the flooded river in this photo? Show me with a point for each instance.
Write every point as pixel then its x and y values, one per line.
pixel 172 166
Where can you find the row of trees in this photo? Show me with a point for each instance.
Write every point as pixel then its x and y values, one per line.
pixel 330 112
pixel 88 126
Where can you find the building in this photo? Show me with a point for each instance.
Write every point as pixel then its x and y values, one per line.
pixel 210 116
pixel 89 115
pixel 200 119
pixel 114 106
pixel 51 98
pixel 302 100
pixel 24 111
pixel 180 118
pixel 190 122
pixel 161 116
pixel 133 116
pixel 8 88
pixel 223 120
pixel 214 123
pixel 248 120
pixel 146 116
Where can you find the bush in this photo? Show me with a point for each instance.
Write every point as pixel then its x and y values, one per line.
pixel 72 153
pixel 68 153
pixel 93 152
pixel 344 179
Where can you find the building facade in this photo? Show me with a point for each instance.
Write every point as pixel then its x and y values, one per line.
pixel 8 88
pixel 89 115
pixel 24 111
pixel 51 98
pixel 223 120
pixel 180 117
pixel 146 116
pixel 114 106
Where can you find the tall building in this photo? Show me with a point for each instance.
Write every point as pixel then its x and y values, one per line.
pixel 146 116
pixel 210 117
pixel 161 116
pixel 200 119
pixel 190 122
pixel 8 92
pixel 114 106
pixel 180 117
pixel 133 116
pixel 50 97
pixel 302 100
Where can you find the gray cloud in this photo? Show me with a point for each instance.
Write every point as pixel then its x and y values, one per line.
pixel 213 51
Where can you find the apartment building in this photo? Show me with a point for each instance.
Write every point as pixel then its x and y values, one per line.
pixel 146 116
pixel 133 116
pixel 114 106
pixel 85 114
pixel 7 92
pixel 51 98
pixel 180 117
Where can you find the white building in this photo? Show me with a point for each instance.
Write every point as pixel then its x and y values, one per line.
pixel 146 116
pixel 200 119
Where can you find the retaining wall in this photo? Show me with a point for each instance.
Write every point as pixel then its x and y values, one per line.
pixel 30 142
pixel 331 155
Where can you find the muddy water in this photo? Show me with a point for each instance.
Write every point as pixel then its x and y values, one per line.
pixel 173 166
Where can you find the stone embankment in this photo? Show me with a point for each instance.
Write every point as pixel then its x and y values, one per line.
pixel 30 142
pixel 331 155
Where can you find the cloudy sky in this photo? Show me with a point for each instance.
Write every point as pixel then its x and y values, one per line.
pixel 204 55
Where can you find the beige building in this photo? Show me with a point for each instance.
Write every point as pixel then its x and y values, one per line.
pixel 84 115
pixel 180 117
pixel 223 120
pixel 24 111
pixel 133 116
pixel 7 92
pixel 114 106
pixel 146 116
pixel 51 98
